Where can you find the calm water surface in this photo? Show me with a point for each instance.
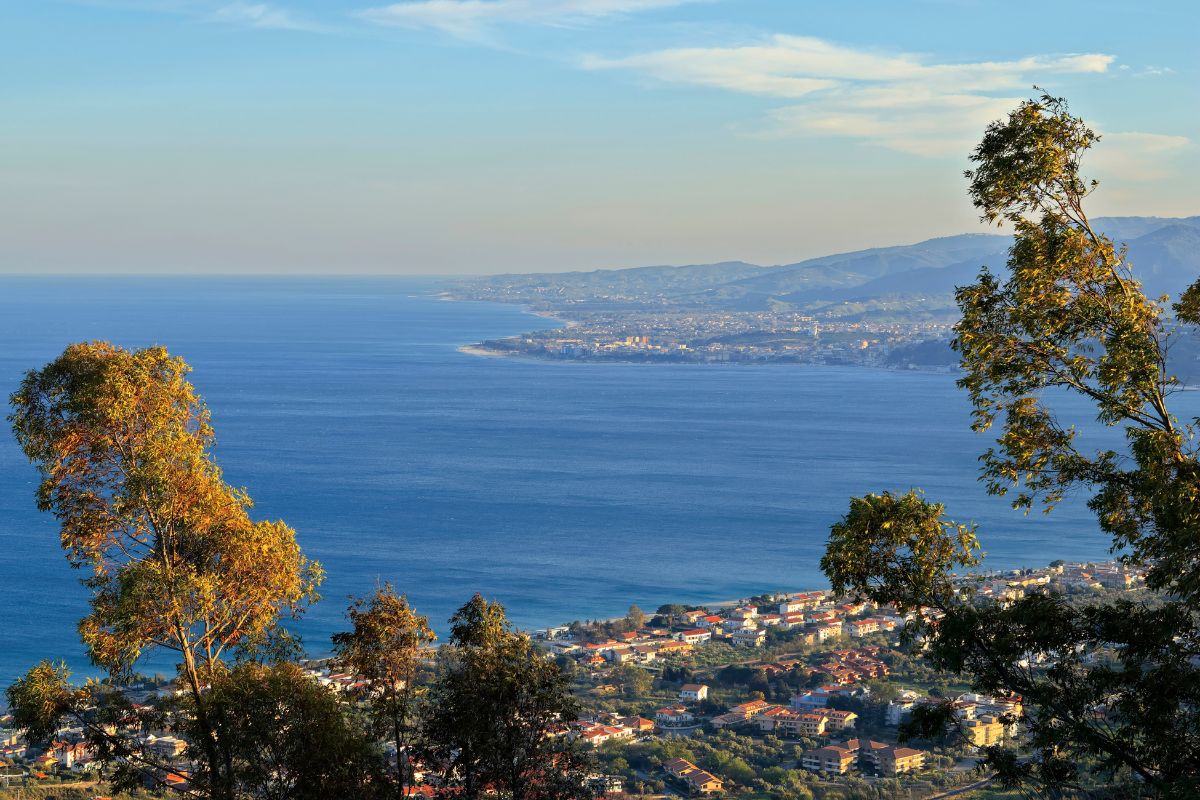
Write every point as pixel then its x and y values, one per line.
pixel 563 490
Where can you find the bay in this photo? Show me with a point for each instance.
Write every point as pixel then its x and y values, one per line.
pixel 563 490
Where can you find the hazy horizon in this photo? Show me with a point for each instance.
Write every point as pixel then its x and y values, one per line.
pixel 462 137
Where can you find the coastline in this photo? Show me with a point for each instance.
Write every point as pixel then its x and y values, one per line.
pixel 972 578
pixel 450 297
pixel 480 350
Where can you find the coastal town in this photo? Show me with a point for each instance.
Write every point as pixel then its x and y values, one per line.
pixel 790 695
pixel 733 337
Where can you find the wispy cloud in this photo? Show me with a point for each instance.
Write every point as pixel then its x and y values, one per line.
pixel 472 19
pixel 261 15
pixel 1135 155
pixel 903 101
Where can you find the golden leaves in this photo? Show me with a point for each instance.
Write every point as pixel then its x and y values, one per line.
pixel 123 443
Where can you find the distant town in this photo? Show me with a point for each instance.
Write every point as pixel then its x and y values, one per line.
pixel 748 337
pixel 792 695
pixel 884 307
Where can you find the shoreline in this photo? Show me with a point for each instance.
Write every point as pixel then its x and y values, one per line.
pixel 484 352
pixel 478 350
pixel 964 578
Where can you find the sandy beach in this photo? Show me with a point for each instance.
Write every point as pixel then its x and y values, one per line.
pixel 483 352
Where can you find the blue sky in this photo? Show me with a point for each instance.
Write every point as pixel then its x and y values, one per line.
pixel 456 136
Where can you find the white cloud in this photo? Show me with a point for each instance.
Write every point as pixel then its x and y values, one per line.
pixel 261 15
pixel 903 101
pixel 239 14
pixel 472 18
pixel 1135 155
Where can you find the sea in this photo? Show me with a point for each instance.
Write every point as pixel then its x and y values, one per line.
pixel 563 490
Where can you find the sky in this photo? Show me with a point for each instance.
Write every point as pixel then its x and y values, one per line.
pixel 475 136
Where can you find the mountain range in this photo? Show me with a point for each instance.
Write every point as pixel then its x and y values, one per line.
pixel 908 281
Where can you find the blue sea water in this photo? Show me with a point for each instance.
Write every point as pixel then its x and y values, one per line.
pixel 563 490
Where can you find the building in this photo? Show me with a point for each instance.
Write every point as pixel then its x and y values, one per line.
pixel 607 784
pixel 749 637
pixel 694 636
pixel 899 760
pixel 984 731
pixel 812 723
pixel 693 691
pixel 900 708
pixel 166 746
pixel 863 627
pixel 817 698
pixel 839 720
pixel 674 717
pixel 698 781
pixel 833 760
pixel 776 719
pixel 828 630
pixel 596 735
pixel 886 759
pixel 702 782
pixel 738 624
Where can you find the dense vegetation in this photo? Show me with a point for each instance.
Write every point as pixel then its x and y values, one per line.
pixel 175 562
pixel 1110 683
pixel 1069 317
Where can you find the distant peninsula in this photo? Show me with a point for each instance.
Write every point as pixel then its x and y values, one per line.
pixel 882 307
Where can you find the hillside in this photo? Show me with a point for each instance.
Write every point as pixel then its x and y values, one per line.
pixel 909 281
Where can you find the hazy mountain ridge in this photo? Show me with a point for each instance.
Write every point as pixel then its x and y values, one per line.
pixel 1164 251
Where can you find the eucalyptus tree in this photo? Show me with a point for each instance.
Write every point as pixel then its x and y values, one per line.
pixel 498 716
pixel 284 736
pixel 174 562
pixel 1066 317
pixel 384 650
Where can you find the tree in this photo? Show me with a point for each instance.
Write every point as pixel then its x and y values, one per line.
pixel 384 650
pixel 635 618
pixel 671 610
pixel 497 714
pixel 636 681
pixel 43 700
pixel 1068 317
pixel 286 737
pixel 124 448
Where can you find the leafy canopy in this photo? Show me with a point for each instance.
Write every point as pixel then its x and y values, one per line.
pixel 497 712
pixel 384 650
pixel 1111 687
pixel 123 445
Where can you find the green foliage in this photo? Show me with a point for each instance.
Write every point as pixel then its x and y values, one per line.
pixel 898 550
pixel 1111 687
pixel 635 618
pixel 636 681
pixel 40 699
pixel 494 713
pixel 1072 317
pixel 286 737
pixel 384 650
pixel 43 701
pixel 123 445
